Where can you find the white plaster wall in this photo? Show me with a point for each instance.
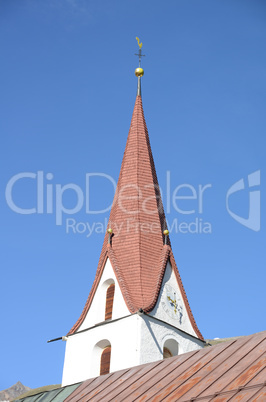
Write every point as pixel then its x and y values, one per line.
pixel 81 360
pixel 159 312
pixel 153 336
pixel 96 312
pixel 134 339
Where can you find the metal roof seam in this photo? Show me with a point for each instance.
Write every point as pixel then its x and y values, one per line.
pixel 242 359
pixel 152 368
pixel 134 379
pixel 80 388
pixel 92 398
pixel 250 365
pixel 257 393
pixel 194 373
pixel 185 361
pixel 195 362
pixel 231 391
pixel 223 373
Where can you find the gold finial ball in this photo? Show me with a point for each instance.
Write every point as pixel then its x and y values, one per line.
pixel 139 72
pixel 166 232
pixel 110 231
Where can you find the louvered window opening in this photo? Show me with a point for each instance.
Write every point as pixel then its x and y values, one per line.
pixel 109 301
pixel 105 361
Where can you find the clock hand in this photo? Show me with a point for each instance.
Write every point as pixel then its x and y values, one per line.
pixel 173 302
pixel 169 298
pixel 175 310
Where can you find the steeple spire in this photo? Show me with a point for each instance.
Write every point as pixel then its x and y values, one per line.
pixel 137 242
pixel 139 72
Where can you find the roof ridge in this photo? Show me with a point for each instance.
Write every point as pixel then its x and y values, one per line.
pixel 140 254
pixel 139 121
pixel 162 266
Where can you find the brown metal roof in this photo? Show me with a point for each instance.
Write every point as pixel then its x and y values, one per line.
pixel 234 370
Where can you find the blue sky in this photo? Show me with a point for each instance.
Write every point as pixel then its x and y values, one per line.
pixel 67 95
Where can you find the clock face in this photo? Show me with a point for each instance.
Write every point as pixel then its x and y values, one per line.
pixel 172 304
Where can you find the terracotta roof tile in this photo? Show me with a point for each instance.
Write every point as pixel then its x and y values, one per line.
pixel 137 252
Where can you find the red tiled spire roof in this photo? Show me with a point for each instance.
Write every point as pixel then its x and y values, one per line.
pixel 137 251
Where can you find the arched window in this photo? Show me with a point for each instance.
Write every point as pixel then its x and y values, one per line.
pixel 100 358
pixel 109 301
pixel 170 348
pixel 105 360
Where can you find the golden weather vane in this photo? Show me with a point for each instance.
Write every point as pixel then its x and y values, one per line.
pixel 140 44
pixel 139 53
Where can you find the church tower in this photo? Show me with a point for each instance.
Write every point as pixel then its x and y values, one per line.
pixel 137 310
